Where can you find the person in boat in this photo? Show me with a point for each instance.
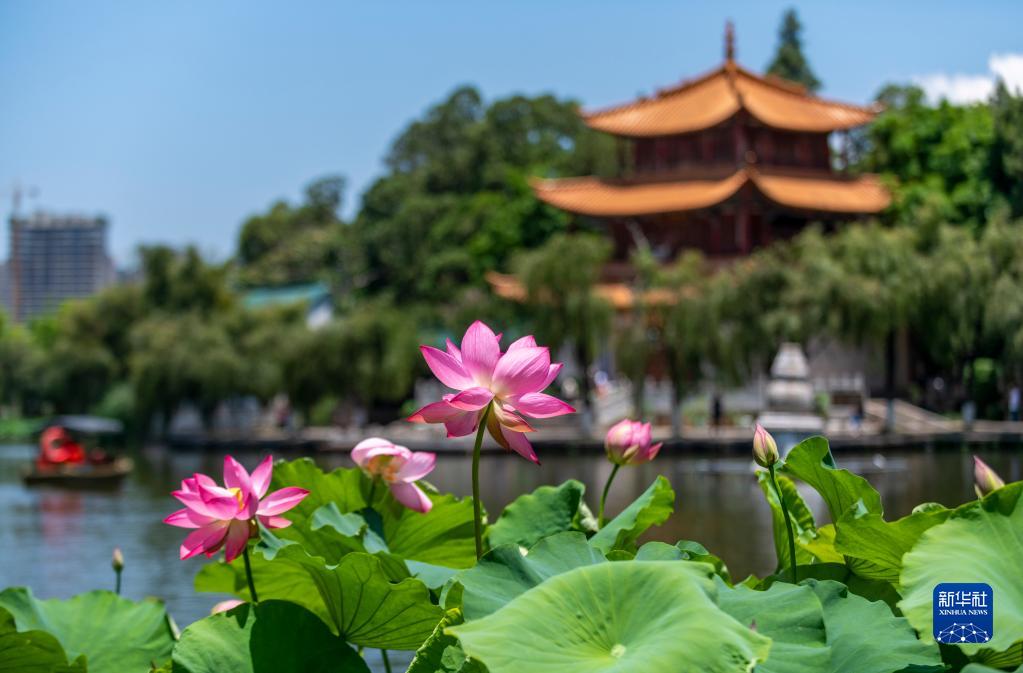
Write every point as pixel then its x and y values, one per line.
pixel 56 447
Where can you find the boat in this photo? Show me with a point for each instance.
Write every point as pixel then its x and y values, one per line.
pixel 100 476
pixel 67 462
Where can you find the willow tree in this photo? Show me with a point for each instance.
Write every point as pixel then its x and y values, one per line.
pixel 688 328
pixel 873 291
pixel 634 341
pixel 560 280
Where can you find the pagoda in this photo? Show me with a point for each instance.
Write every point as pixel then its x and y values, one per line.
pixel 724 163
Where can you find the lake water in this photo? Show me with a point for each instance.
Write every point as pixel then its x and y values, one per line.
pixel 58 542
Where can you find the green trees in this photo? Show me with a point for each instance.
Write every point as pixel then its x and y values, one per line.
pixel 1007 111
pixel 294 244
pixel 789 61
pixel 21 369
pixel 456 200
pixel 939 159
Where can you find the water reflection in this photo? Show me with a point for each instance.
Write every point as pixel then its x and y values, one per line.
pixel 62 540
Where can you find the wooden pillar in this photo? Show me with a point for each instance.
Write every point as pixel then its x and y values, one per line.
pixel 744 232
pixel 845 151
pixel 740 142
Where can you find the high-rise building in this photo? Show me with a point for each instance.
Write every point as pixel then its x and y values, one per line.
pixel 52 259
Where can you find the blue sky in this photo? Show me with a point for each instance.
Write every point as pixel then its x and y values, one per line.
pixel 179 119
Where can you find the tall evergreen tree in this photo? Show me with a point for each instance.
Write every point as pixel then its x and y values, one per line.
pixel 1007 115
pixel 789 61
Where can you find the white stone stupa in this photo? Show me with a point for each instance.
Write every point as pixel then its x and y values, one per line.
pixel 789 405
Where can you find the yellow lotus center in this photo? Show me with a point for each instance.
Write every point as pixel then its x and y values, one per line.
pixel 618 651
pixel 383 467
pixel 237 493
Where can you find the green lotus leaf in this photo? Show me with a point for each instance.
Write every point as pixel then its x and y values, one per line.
pixel 660 551
pixel 1005 659
pixel 694 551
pixel 820 544
pixel 273 581
pixel 979 542
pixel 874 547
pixel 981 668
pixel 864 636
pixel 275 636
pixel 441 652
pixel 444 536
pixel 802 519
pixel 615 618
pixel 533 516
pixel 684 550
pixel 791 616
pixel 343 487
pixel 504 572
pixel 652 508
pixel 354 597
pixel 32 651
pixel 332 520
pixel 872 590
pixel 116 635
pixel 811 461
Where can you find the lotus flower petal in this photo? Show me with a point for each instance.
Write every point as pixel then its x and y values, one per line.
pixel 552 374
pixel 446 368
pixel 540 405
pixel 462 424
pixel 472 399
pixel 281 501
pixel 521 371
pixel 201 540
pixel 411 496
pixel 528 341
pixel 261 476
pixel 236 539
pixel 481 350
pixel 420 464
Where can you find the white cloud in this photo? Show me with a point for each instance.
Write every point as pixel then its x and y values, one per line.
pixel 962 88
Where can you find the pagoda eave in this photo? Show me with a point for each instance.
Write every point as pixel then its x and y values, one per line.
pixel 797 190
pixel 716 97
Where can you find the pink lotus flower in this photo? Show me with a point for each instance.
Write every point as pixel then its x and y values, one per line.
pixel 511 383
pixel 397 467
pixel 628 443
pixel 226 516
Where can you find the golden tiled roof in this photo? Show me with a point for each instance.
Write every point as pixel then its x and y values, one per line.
pixel 619 295
pixel 803 190
pixel 712 98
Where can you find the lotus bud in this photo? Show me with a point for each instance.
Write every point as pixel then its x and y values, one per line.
pixel 629 443
pixel 986 480
pixel 224 606
pixel 765 450
pixel 117 560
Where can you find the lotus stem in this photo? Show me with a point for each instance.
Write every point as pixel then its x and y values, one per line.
pixel 387 662
pixel 603 497
pixel 788 523
pixel 117 582
pixel 476 508
pixel 248 575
